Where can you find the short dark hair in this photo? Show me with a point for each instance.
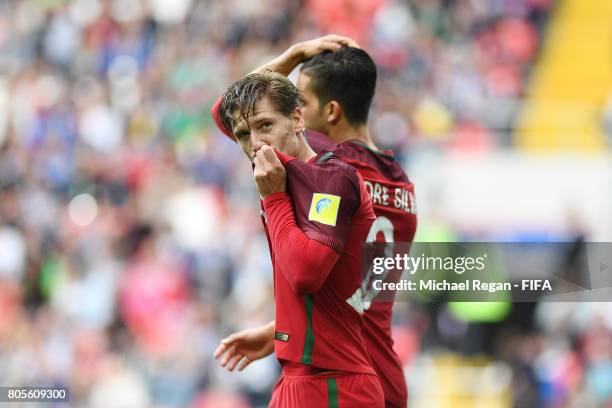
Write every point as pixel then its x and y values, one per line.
pixel 244 94
pixel 347 76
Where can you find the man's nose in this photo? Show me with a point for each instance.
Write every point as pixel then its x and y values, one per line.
pixel 257 142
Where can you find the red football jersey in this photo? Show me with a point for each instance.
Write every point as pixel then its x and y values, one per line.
pixel 393 199
pixel 392 196
pixel 322 329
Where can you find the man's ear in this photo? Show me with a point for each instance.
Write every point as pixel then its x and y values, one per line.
pixel 334 112
pixel 298 119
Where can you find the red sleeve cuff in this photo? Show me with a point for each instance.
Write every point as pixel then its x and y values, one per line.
pixel 274 197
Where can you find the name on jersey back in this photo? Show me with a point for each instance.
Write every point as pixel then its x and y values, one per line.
pixel 391 196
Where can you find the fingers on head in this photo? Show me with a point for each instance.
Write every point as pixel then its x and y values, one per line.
pixel 341 39
pixel 333 46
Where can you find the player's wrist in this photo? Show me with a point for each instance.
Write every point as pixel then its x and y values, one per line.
pixel 270 327
pixel 297 53
pixel 274 197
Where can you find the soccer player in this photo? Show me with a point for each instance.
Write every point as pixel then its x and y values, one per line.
pixel 317 213
pixel 337 85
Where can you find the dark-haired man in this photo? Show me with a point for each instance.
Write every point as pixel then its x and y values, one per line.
pixel 317 214
pixel 337 83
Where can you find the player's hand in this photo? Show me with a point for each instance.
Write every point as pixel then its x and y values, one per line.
pixel 269 172
pixel 299 52
pixel 330 42
pixel 242 348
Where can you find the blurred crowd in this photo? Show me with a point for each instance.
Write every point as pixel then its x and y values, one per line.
pixel 130 242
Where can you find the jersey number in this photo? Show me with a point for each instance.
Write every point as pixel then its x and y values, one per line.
pixel 362 298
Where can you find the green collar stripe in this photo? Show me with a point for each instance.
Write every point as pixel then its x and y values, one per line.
pixel 325 157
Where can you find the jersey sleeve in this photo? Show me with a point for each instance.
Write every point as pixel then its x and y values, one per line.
pixel 214 112
pixel 327 209
pixel 310 261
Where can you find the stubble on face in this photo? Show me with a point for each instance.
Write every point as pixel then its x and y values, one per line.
pixel 267 126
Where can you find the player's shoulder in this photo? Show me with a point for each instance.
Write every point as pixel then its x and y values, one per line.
pixel 330 162
pixel 367 160
pixel 326 169
pixel 324 176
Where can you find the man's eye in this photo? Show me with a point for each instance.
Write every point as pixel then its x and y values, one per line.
pixel 265 126
pixel 241 135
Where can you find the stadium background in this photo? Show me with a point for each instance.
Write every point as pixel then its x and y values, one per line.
pixel 129 235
